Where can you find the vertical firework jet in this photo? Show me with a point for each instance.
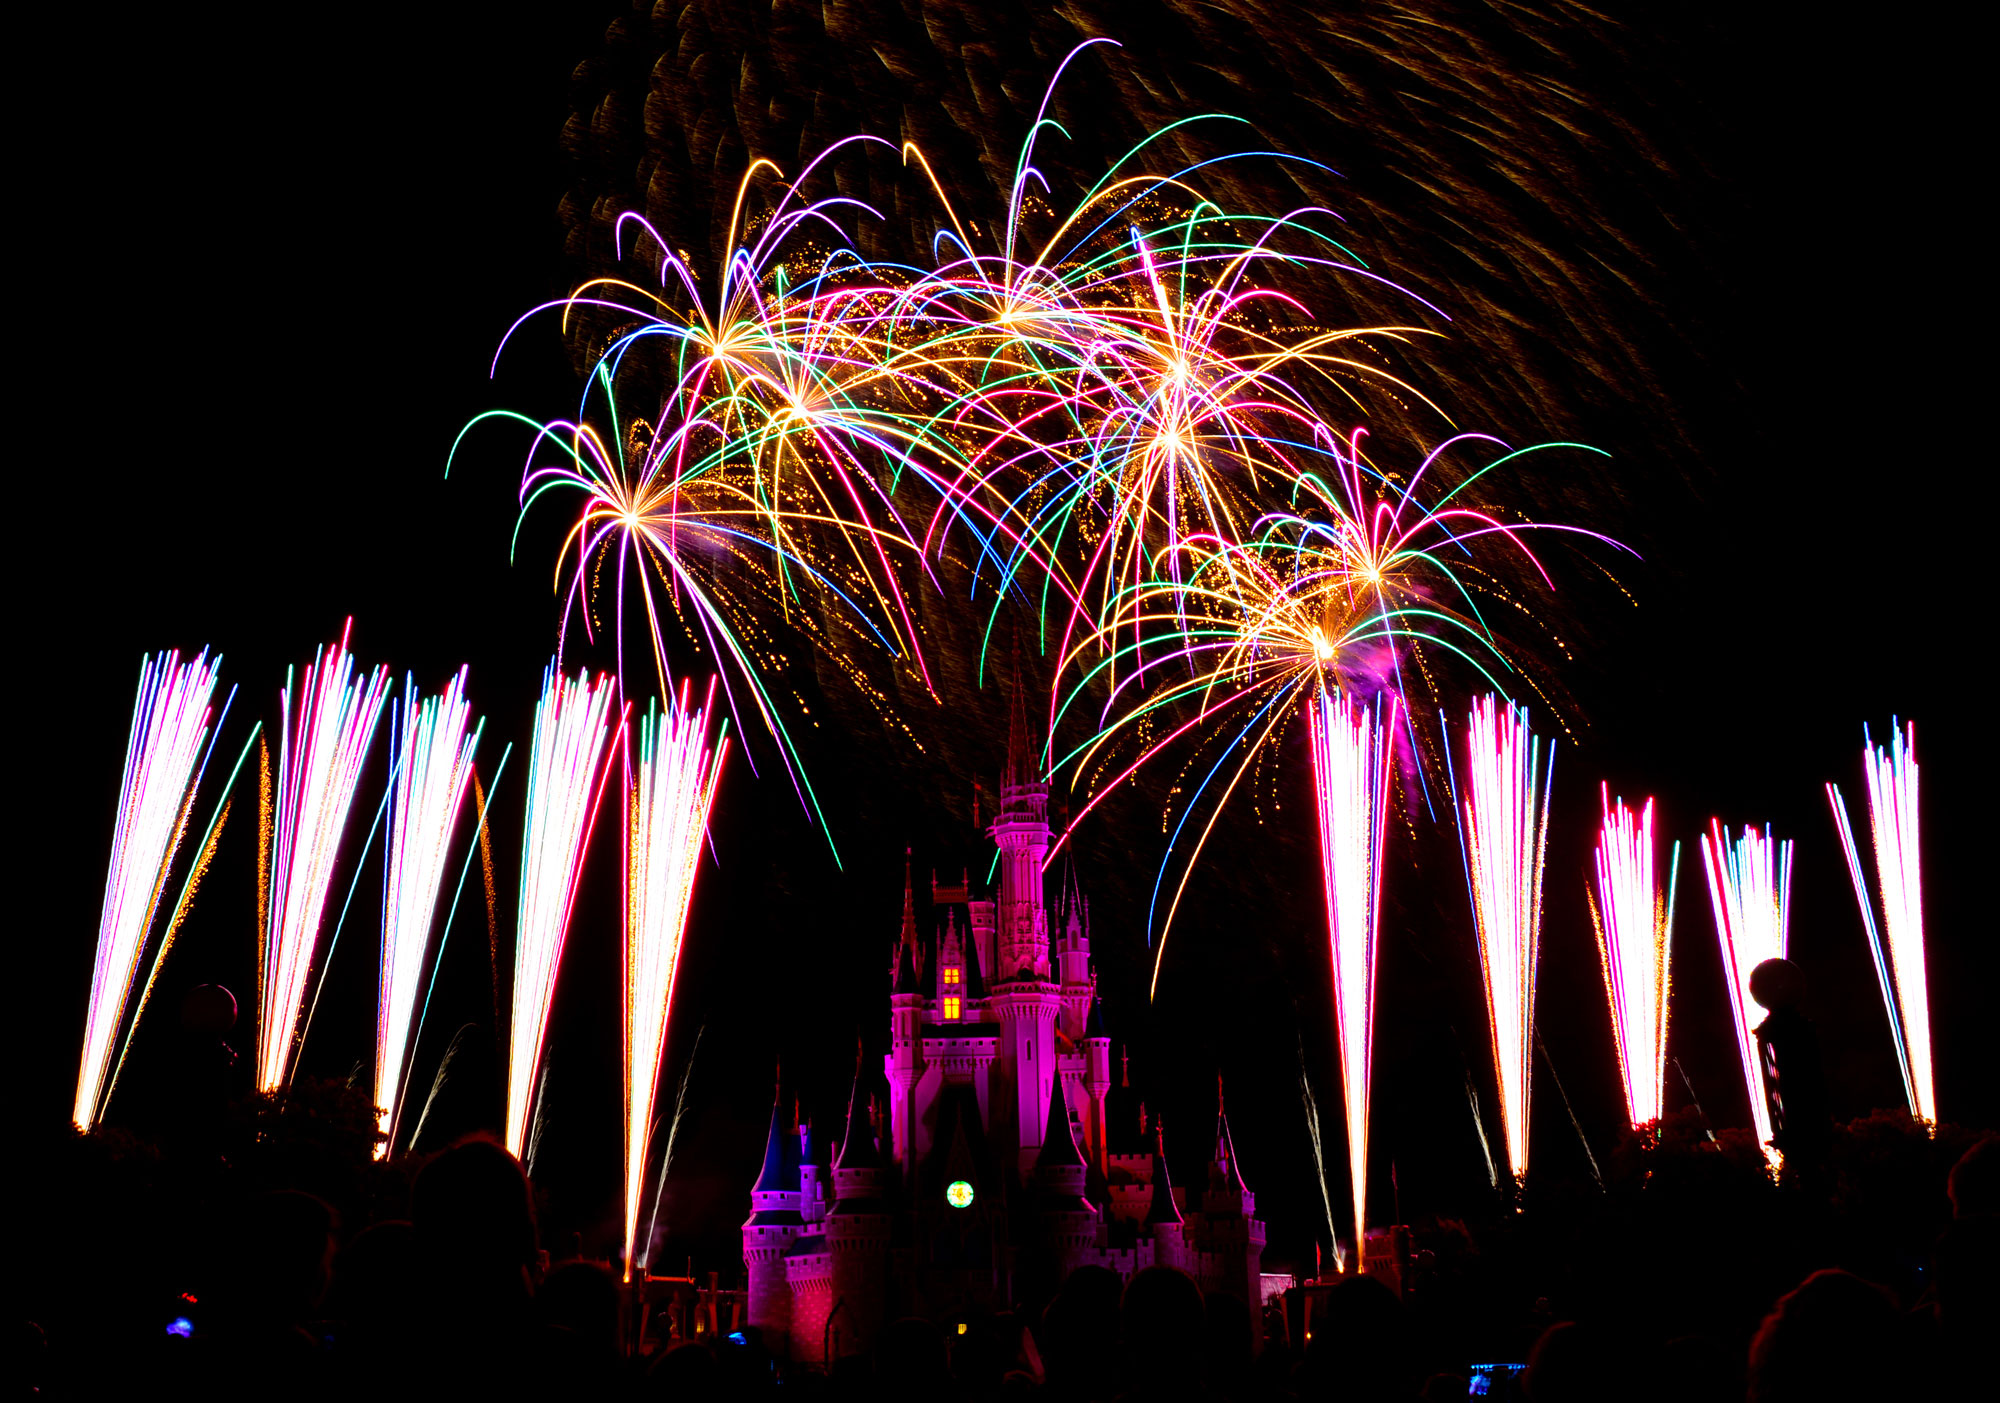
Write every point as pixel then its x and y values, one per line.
pixel 1350 756
pixel 1634 920
pixel 668 806
pixel 565 783
pixel 433 743
pixel 323 736
pixel 1750 884
pixel 164 757
pixel 1503 833
pixel 1899 961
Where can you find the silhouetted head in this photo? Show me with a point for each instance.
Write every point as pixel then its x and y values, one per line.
pixel 374 1275
pixel 1360 1339
pixel 208 1011
pixel 1080 1334
pixel 1161 1320
pixel 687 1373
pixel 1570 1363
pixel 1834 1336
pixel 909 1360
pixel 473 1213
pixel 582 1298
pixel 1227 1329
pixel 285 1256
pixel 1974 1184
pixel 1777 984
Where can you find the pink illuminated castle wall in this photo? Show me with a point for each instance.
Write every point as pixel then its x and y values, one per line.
pixel 999 1077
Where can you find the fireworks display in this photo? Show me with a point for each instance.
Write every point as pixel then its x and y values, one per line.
pixel 165 752
pixel 566 777
pixel 1502 798
pixel 1634 920
pixel 1750 885
pixel 1899 960
pixel 433 740
pixel 1350 758
pixel 325 729
pixel 672 789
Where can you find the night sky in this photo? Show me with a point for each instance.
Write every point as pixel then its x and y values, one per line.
pixel 279 248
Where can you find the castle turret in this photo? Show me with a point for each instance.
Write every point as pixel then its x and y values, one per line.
pixel 857 1235
pixel 1163 1216
pixel 1234 1235
pixel 774 1224
pixel 1026 998
pixel 1097 1084
pixel 904 1063
pixel 1068 1222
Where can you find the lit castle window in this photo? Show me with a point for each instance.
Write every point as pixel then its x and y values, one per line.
pixel 951 1006
pixel 951 974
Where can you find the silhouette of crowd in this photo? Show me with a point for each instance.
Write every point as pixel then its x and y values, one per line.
pixel 460 1299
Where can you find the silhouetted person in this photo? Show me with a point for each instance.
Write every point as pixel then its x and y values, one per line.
pixel 910 1362
pixel 477 1256
pixel 1360 1344
pixel 255 1342
pixel 1834 1337
pixel 1080 1337
pixel 685 1373
pixel 1974 1185
pixel 1226 1331
pixel 203 1077
pixel 375 1297
pixel 1161 1320
pixel 1964 1301
pixel 1570 1363
pixel 1794 1077
pixel 581 1300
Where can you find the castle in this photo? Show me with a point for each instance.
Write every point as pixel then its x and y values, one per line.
pixel 1004 1160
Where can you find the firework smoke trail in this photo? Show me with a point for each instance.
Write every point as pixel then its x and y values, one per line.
pixel 1350 761
pixel 165 752
pixel 669 801
pixel 1750 886
pixel 1634 921
pixel 1899 962
pixel 566 778
pixel 324 730
pixel 1503 835
pixel 433 740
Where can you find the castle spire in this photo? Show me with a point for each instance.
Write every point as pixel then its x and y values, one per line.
pixel 1163 1209
pixel 1058 1142
pixel 1021 770
pixel 781 1153
pixel 909 904
pixel 1225 1148
pixel 857 1148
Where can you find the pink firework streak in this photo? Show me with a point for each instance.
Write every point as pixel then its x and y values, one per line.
pixel 434 741
pixel 1350 755
pixel 670 796
pixel 566 776
pixel 164 753
pixel 1634 920
pixel 1503 833
pixel 1750 884
pixel 1899 960
pixel 323 737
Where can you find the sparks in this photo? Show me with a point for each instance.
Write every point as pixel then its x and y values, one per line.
pixel 433 741
pixel 165 752
pixel 1350 760
pixel 1634 921
pixel 1503 834
pixel 565 784
pixel 1899 961
pixel 668 804
pixel 1750 886
pixel 323 736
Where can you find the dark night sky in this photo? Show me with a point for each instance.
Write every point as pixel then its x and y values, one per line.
pixel 280 248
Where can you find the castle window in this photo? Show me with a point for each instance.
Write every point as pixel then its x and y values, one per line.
pixel 951 974
pixel 950 1007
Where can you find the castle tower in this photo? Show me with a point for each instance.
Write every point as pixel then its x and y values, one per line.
pixel 1235 1235
pixel 1163 1218
pixel 1073 956
pixel 1097 1084
pixel 1026 998
pixel 904 1063
pixel 857 1236
pixel 774 1224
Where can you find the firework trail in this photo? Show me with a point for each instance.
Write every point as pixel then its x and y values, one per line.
pixel 433 740
pixel 1899 961
pixel 166 750
pixel 1350 759
pixel 1634 921
pixel 566 778
pixel 1503 836
pixel 1750 886
pixel 669 800
pixel 324 731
